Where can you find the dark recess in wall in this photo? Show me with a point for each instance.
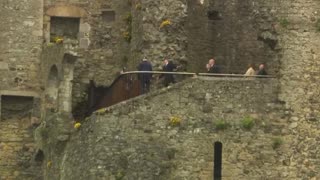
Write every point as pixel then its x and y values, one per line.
pixel 214 15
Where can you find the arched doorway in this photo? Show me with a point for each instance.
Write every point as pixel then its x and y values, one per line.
pixel 52 88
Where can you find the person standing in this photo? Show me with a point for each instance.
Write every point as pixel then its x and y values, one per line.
pixel 262 70
pixel 168 66
pixel 250 71
pixel 145 78
pixel 212 67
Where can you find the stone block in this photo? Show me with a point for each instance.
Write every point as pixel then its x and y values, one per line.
pixel 37 33
pixel 85 27
pixel 4 66
pixel 84 43
pixel 109 53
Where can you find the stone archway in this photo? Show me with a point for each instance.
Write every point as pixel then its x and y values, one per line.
pixel 65 89
pixel 52 87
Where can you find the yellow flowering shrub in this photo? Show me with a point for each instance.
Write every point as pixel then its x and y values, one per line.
pixel 49 164
pixel 165 23
pixel 101 111
pixel 58 40
pixel 77 125
pixel 50 44
pixel 127 36
pixel 138 6
pixel 174 121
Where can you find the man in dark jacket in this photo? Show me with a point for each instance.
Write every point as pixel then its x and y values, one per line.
pixel 168 66
pixel 145 78
pixel 212 67
pixel 262 70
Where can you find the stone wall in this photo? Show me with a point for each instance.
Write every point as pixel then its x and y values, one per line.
pixel 20 48
pixel 300 72
pixel 21 39
pixel 59 85
pixel 99 42
pixel 300 66
pixel 20 115
pixel 18 150
pixel 284 34
pixel 15 107
pixel 100 46
pixel 154 40
pixel 235 33
pixel 136 140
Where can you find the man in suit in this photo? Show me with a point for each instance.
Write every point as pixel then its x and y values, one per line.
pixel 212 67
pixel 262 71
pixel 145 78
pixel 168 66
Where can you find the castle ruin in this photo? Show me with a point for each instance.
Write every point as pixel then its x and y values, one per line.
pixel 50 50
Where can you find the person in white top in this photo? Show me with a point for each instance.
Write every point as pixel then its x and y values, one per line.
pixel 250 71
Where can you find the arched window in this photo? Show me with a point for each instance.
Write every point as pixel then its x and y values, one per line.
pixel 52 87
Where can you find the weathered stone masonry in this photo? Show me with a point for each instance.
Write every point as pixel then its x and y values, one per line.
pixel 20 49
pixel 42 79
pixel 135 140
pixel 234 32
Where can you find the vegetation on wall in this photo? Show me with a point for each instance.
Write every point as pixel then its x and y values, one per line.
pixel 276 142
pixel 175 121
pixel 247 123
pixel 138 6
pixel 222 124
pixel 127 34
pixel 284 22
pixel 318 25
pixel 165 23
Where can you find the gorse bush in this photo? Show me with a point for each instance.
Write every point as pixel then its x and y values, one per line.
pixel 165 23
pixel 175 121
pixel 247 123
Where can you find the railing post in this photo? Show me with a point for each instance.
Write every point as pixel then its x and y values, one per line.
pixel 217 164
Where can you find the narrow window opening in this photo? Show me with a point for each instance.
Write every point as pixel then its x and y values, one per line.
pixel 52 86
pixel 217 166
pixel 64 27
pixel 16 107
pixel 108 16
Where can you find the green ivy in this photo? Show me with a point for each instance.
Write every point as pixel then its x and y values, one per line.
pixel 247 123
pixel 221 125
pixel 284 22
pixel 276 142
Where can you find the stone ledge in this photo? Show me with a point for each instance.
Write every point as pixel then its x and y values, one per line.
pixel 19 93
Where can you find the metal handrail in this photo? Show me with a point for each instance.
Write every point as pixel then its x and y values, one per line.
pixel 197 74
pixel 234 75
pixel 158 72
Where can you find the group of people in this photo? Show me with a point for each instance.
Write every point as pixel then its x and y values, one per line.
pixel 145 78
pixel 213 68
pixel 261 71
pixel 168 66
